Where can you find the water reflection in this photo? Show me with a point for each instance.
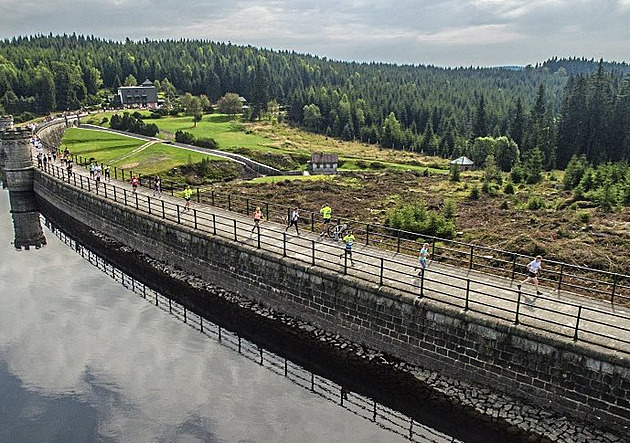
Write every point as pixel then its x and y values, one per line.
pixel 26 221
pixel 82 360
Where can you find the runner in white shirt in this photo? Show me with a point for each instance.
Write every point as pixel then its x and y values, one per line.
pixel 532 273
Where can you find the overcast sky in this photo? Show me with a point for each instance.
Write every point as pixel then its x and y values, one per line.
pixel 438 32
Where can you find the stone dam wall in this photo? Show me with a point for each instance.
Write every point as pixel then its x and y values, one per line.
pixel 561 375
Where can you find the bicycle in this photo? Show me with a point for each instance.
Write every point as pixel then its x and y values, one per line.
pixel 336 231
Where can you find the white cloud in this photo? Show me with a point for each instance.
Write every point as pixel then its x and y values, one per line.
pixel 444 31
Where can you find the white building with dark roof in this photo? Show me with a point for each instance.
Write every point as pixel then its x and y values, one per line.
pixel 144 95
pixel 323 163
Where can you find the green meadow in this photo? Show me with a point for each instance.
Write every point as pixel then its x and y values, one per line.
pixel 129 153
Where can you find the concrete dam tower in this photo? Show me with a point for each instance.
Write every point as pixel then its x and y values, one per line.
pixel 6 122
pixel 18 176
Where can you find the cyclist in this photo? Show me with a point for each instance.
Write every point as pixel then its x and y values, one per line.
pixel 187 195
pixel 326 212
pixel 348 239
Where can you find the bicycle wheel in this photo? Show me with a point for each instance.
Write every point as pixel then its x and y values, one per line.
pixel 333 231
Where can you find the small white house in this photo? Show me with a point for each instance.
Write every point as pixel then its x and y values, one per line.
pixel 464 163
pixel 323 163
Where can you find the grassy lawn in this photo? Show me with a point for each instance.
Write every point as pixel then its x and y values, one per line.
pixel 259 140
pixel 120 151
pixel 103 146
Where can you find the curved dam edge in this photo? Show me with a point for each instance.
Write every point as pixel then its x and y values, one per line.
pixel 566 377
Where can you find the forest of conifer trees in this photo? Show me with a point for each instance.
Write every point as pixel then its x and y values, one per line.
pixel 555 110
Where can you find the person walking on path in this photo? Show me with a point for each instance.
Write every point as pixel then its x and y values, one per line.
pixel 92 169
pixel 348 239
pixel 424 256
pixel 157 186
pixel 187 195
pixel 97 177
pixel 532 273
pixel 134 183
pixel 106 173
pixel 258 216
pixel 293 221
pixel 326 212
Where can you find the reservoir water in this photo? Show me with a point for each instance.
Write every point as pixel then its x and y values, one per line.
pixel 83 358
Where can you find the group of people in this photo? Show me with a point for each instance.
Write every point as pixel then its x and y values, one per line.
pixel 294 218
pixel 533 268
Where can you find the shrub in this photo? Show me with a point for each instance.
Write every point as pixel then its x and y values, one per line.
pixel 205 142
pixel 474 193
pixel 508 188
pixel 455 173
pixel 504 205
pixel 415 218
pixel 584 216
pixel 377 165
pixel 449 211
pixel 184 137
pixel 535 202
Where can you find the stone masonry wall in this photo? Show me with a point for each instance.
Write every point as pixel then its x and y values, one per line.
pixel 563 375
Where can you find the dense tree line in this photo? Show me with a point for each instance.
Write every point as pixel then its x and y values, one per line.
pixel 544 110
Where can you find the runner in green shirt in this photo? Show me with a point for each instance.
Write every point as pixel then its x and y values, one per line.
pixel 187 195
pixel 326 212
pixel 348 239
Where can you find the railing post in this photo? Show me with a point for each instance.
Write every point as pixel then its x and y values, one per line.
pixel 149 203
pixel 258 245
pixel 382 270
pixel 198 196
pixel 577 324
pixel 229 202
pixel 163 212
pixel 312 222
pixel 367 234
pixel 122 171
pixel 421 282
pixel 125 195
pixel 313 251
pixel 518 307
pixel 235 236
pixel 136 195
pixel 398 241
pixel 472 254
pixel 345 262
pixel 212 197
pixel 179 221
pixel 115 197
pixel 81 181
pixel 214 224
pixel 284 244
pixel 115 173
pixel 561 275
pixel 195 217
pixel 513 266
pixel 467 294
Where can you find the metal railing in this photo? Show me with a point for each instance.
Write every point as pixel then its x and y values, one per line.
pixel 593 283
pixel 362 406
pixel 486 295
